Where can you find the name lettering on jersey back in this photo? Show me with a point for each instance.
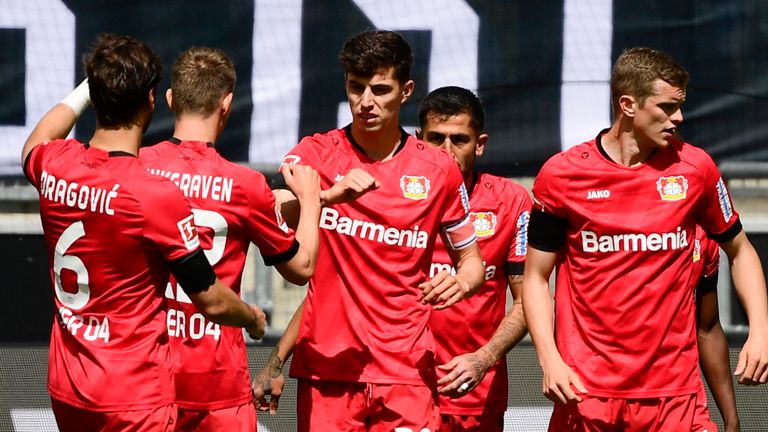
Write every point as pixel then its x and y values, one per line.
pixel 593 242
pixel 199 185
pixel 435 268
pixel 94 328
pixel 332 221
pixel 75 195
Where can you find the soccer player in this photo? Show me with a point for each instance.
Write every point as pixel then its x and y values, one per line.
pixel 232 206
pixel 474 386
pixel 114 233
pixel 364 355
pixel 712 343
pixel 617 215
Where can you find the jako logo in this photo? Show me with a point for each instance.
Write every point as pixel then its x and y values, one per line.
pixel 592 242
pixel 596 194
pixel 330 220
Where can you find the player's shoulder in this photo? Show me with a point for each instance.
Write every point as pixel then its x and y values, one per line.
pixel 693 156
pixel 500 189
pixel 425 153
pixel 157 151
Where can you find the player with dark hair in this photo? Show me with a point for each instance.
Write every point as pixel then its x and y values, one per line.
pixel 114 234
pixel 617 215
pixel 213 389
pixel 474 386
pixel 364 355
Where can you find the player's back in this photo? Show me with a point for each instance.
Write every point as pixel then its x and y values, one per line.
pixel 101 213
pixel 232 206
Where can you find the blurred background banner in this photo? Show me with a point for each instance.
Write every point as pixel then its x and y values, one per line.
pixel 542 68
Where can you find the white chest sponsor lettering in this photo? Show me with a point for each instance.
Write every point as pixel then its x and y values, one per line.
pixel 412 238
pixel 75 195
pixel 634 242
pixel 198 185
pixel 435 268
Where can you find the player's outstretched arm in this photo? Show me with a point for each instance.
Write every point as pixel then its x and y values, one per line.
pixel 713 352
pixel 356 183
pixel 58 122
pixel 537 305
pixel 270 380
pixel 305 184
pixel 470 368
pixel 220 304
pixel 445 290
pixel 749 283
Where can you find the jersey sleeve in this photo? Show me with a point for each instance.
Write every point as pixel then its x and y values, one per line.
pixel 455 224
pixel 716 215
pixel 548 219
pixel 265 225
pixel 522 214
pixel 33 164
pixel 169 223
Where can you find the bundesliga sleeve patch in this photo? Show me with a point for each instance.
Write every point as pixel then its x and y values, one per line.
pixel 279 219
pixel 724 199
pixel 188 232
pixel 464 197
pixel 521 239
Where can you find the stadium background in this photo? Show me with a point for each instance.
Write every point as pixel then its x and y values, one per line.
pixel 541 68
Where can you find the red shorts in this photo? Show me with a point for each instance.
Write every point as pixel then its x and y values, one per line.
pixel 74 419
pixel 349 406
pixel 702 422
pixel 472 423
pixel 628 415
pixel 240 418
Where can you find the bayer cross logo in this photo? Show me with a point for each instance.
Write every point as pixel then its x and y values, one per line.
pixel 414 187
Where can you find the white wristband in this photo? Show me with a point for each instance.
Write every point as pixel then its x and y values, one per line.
pixel 79 99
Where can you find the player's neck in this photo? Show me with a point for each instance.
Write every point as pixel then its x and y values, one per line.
pixel 125 140
pixel 621 145
pixel 197 128
pixel 378 145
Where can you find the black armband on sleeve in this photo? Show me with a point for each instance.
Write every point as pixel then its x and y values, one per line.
pixel 546 231
pixel 728 234
pixel 282 257
pixel 193 272
pixel 515 269
pixel 278 182
pixel 707 284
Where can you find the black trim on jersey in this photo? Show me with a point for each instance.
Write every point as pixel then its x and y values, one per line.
pixel 348 132
pixel 282 257
pixel 599 145
pixel 177 141
pixel 728 234
pixel 112 153
pixel 515 269
pixel 546 231
pixel 278 182
pixel 193 272
pixel 707 284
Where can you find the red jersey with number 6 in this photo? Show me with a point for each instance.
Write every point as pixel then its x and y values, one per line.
pixel 625 311
pixel 499 215
pixel 232 206
pixel 111 230
pixel 363 319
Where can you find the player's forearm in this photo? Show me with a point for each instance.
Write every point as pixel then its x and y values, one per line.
pixel 470 270
pixel 223 306
pixel 510 332
pixel 537 306
pixel 300 268
pixel 285 346
pixel 715 365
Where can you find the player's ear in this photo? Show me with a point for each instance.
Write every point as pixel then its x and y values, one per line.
pixel 481 140
pixel 627 105
pixel 407 91
pixel 169 98
pixel 152 94
pixel 226 103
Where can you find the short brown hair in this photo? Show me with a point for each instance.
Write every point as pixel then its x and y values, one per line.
pixel 636 70
pixel 200 78
pixel 368 52
pixel 121 71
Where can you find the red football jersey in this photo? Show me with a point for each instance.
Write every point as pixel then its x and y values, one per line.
pixel 625 310
pixel 363 319
pixel 499 213
pixel 111 229
pixel 706 260
pixel 232 206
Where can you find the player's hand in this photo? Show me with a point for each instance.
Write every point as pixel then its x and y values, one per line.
pixel 561 384
pixel 356 183
pixel 269 383
pixel 464 373
pixel 258 327
pixel 752 368
pixel 303 181
pixel 443 290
